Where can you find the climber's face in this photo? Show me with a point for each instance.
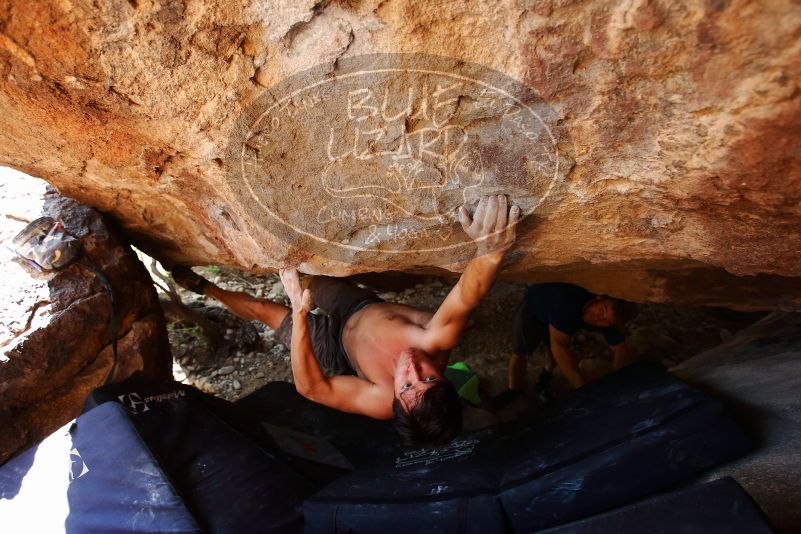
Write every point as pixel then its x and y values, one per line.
pixel 415 372
pixel 599 312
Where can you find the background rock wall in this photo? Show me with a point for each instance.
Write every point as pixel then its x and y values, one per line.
pixel 757 373
pixel 55 343
pixel 684 119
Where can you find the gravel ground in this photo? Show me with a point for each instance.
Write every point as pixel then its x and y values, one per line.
pixel 247 357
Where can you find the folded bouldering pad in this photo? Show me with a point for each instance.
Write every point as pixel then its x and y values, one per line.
pixel 619 439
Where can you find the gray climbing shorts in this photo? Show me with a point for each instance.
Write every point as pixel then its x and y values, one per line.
pixel 338 299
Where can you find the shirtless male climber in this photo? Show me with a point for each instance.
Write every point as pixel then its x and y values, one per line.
pixel 376 358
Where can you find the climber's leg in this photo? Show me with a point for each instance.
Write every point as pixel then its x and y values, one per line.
pixel 240 304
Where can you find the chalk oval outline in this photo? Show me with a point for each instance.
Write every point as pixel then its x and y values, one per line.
pixel 355 248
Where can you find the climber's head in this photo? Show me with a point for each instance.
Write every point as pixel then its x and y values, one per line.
pixel 603 311
pixel 427 408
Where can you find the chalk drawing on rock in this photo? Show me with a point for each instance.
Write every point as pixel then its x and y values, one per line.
pixel 375 158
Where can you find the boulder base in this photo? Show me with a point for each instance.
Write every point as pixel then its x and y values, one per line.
pixel 56 326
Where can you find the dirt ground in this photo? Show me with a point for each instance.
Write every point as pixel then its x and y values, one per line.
pixel 246 357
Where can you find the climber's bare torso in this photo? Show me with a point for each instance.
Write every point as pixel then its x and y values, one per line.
pixel 375 335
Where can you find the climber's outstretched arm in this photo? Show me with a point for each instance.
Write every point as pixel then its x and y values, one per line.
pixel 492 227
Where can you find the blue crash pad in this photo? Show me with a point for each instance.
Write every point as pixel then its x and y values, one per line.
pixel 229 482
pixel 95 475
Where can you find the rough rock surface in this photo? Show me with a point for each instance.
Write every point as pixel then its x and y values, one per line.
pixel 679 122
pixel 54 327
pixel 758 372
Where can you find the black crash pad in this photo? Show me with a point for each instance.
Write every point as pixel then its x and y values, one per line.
pixel 361 439
pixel 619 439
pixel 718 507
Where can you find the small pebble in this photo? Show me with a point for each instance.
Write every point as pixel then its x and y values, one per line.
pixel 227 370
pixel 237 385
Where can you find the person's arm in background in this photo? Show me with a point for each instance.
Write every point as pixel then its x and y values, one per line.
pixel 560 347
